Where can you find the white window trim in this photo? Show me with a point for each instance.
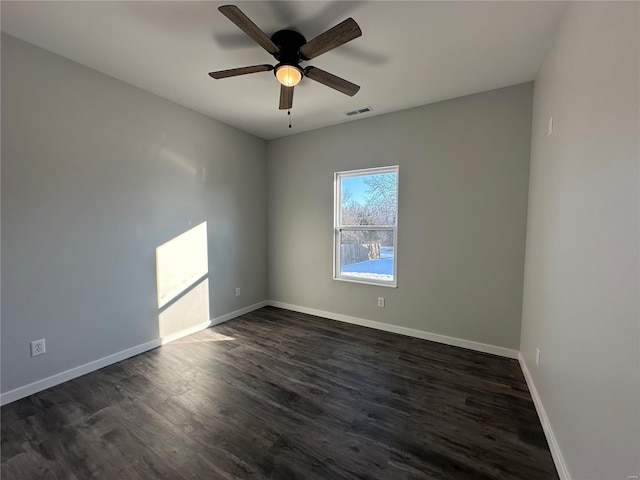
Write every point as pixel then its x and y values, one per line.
pixel 337 200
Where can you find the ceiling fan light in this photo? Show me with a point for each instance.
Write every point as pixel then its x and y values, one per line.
pixel 288 75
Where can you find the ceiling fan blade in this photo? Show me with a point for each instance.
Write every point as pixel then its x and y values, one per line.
pixel 286 97
pixel 334 37
pixel 240 71
pixel 332 81
pixel 245 24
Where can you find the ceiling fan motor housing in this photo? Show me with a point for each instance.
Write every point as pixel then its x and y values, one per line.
pixel 289 43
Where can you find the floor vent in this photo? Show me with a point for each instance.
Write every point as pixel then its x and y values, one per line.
pixel 358 112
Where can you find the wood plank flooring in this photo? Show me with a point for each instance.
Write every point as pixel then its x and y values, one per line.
pixel 282 395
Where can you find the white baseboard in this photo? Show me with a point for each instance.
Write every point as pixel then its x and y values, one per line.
pixel 183 333
pixel 58 378
pixel 237 313
pixel 387 327
pixel 558 459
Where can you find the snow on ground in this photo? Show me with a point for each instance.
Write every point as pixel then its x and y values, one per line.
pixel 380 269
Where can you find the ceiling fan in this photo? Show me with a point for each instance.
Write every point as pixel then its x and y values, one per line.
pixel 290 48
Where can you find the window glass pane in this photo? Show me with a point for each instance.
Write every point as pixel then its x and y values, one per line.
pixel 367 254
pixel 368 199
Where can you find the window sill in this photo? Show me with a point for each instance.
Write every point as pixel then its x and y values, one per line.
pixel 366 282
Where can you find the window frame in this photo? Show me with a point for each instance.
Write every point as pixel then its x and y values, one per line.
pixel 338 228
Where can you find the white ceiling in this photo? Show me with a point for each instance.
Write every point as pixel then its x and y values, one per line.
pixel 410 53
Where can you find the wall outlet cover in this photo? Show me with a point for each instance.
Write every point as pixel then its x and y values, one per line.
pixel 38 347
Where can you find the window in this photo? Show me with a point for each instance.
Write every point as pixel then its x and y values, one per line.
pixel 366 226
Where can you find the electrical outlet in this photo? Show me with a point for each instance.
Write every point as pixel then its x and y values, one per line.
pixel 237 291
pixel 38 348
pixel 537 357
pixel 550 132
pixel 381 301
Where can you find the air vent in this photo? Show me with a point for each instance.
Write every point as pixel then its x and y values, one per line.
pixel 358 112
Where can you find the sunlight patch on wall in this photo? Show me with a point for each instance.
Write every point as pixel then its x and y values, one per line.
pixel 180 262
pixel 188 311
pixel 182 268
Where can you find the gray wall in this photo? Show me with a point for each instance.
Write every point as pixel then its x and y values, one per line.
pixel 95 175
pixel 581 279
pixel 464 168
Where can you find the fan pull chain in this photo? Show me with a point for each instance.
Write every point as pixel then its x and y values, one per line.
pixel 289 115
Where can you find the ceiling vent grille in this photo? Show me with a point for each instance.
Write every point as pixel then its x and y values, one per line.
pixel 359 111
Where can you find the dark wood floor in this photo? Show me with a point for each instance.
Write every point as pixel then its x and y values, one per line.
pixel 282 395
